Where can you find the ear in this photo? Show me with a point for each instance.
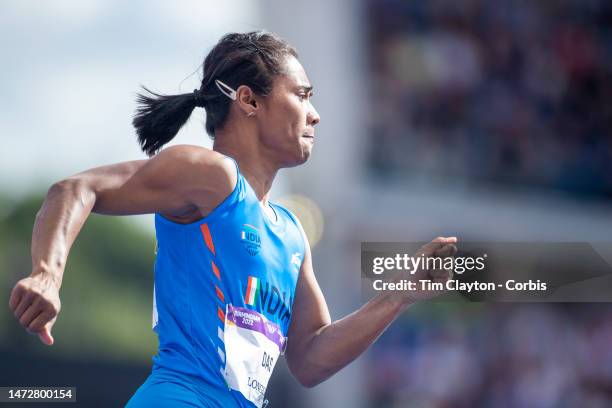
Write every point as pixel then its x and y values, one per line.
pixel 247 100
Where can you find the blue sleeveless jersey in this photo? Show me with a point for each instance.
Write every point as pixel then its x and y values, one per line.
pixel 235 255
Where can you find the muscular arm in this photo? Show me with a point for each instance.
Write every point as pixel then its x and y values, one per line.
pixel 318 348
pixel 65 210
pixel 180 180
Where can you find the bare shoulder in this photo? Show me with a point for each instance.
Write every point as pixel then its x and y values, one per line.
pixel 193 154
pixel 205 176
pixel 203 164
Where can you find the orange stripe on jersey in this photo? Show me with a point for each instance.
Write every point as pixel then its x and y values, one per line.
pixel 215 270
pixel 207 237
pixel 221 314
pixel 246 295
pixel 219 294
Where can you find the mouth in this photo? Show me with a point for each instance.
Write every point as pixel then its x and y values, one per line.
pixel 306 136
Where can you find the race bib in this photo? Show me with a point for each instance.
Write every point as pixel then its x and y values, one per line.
pixel 252 346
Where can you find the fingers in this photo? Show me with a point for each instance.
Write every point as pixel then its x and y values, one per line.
pixel 45 335
pixel 30 313
pixel 445 240
pixel 42 326
pixel 39 321
pixel 24 303
pixel 16 295
pixel 436 244
pixel 446 250
pixel 36 306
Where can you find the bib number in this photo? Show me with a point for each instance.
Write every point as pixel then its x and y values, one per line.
pixel 252 346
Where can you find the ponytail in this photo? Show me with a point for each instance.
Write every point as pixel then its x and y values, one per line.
pixel 253 59
pixel 159 117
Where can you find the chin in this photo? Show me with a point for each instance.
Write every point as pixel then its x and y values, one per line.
pixel 305 156
pixel 306 151
pixel 302 156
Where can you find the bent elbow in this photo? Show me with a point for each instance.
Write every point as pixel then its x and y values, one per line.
pixel 310 378
pixel 307 381
pixel 63 186
pixel 310 382
pixel 72 188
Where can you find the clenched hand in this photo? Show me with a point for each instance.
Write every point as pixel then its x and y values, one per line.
pixel 35 303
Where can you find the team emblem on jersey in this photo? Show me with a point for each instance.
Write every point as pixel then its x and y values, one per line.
pixel 249 236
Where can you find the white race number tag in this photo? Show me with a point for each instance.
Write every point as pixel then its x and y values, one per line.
pixel 252 346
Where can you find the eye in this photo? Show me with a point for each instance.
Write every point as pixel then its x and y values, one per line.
pixel 303 96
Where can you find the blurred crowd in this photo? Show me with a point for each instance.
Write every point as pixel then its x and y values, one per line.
pixel 514 93
pixel 536 356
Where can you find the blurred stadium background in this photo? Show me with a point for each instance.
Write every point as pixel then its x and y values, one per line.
pixel 475 118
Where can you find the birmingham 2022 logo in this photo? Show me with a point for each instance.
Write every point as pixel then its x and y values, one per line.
pixel 251 240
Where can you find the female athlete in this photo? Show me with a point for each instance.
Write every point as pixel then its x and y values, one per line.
pixel 234 286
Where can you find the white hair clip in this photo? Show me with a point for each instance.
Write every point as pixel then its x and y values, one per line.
pixel 226 90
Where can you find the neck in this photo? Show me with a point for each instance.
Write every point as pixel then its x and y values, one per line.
pixel 254 166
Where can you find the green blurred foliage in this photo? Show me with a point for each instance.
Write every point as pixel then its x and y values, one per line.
pixel 106 292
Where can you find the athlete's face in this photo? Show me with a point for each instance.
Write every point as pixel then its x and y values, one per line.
pixel 287 117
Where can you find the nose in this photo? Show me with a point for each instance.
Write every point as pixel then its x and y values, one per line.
pixel 313 117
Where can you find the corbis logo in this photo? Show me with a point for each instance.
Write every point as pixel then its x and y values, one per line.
pixel 250 239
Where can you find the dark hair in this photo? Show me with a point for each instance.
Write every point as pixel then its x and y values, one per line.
pixel 251 59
